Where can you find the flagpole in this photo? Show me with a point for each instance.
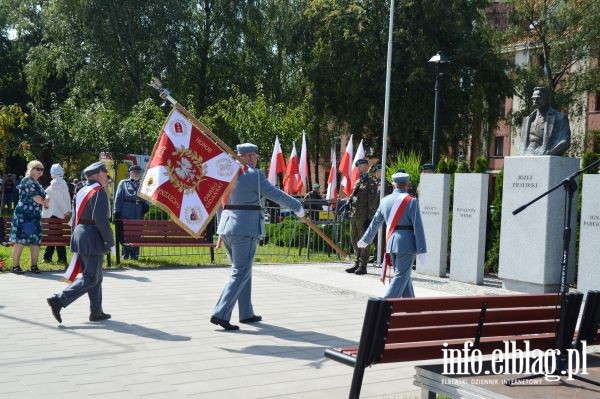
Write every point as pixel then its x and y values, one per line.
pixel 386 114
pixel 166 95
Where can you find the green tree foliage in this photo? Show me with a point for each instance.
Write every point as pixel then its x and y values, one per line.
pixel 345 60
pixel 409 161
pixel 480 165
pixel 493 231
pixel 463 167
pixel 560 35
pixel 241 119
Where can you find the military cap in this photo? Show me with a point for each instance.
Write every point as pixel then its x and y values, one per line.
pixel 400 177
pixel 377 167
pixel 427 166
pixel 401 170
pixel 361 162
pixel 246 148
pixel 95 168
pixel 316 185
pixel 133 168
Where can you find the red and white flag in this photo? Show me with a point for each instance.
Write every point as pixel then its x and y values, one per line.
pixel 81 199
pixel 291 180
pixel 303 166
pixel 360 154
pixel 277 163
pixel 346 169
pixel 188 174
pixel 332 179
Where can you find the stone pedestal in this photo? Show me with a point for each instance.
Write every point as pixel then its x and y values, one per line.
pixel 434 200
pixel 531 242
pixel 469 220
pixel 588 276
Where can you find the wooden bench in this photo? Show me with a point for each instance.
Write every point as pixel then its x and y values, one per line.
pixel 55 233
pixel 410 329
pixel 159 233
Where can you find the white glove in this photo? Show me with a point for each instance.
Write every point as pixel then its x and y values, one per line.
pixel 300 213
pixel 113 250
pixel 422 258
pixel 361 244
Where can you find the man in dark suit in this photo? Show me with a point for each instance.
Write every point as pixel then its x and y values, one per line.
pixel 92 237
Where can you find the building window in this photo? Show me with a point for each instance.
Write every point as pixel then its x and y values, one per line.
pixel 499 146
pixel 502 108
pixel 597 105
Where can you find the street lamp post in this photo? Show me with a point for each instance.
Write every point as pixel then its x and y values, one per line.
pixel 437 59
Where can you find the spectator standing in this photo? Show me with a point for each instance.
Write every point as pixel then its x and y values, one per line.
pixel 313 201
pixel 26 227
pixel 129 206
pixel 59 208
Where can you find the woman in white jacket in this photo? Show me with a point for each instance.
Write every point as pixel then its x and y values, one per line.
pixel 59 207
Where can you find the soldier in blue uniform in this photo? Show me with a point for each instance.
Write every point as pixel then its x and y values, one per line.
pixel 92 238
pixel 407 239
pixel 129 206
pixel 241 225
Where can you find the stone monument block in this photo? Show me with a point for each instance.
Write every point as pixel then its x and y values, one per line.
pixel 531 242
pixel 434 200
pixel 469 220
pixel 588 272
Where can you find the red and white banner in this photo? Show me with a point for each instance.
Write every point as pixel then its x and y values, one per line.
pixel 360 154
pixel 332 179
pixel 277 165
pixel 346 169
pixel 303 166
pixel 188 174
pixel 291 180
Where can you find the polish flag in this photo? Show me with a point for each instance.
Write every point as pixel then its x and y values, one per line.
pixel 346 169
pixel 277 163
pixel 303 166
pixel 332 179
pixel 360 154
pixel 291 180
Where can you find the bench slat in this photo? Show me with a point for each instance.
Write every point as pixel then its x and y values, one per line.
pixel 467 332
pixel 455 317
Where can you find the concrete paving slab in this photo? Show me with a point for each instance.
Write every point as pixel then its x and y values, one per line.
pixel 160 344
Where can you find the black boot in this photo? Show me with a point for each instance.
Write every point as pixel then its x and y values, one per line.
pixel 352 269
pixel 361 270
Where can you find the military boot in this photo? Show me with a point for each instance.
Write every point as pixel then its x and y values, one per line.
pixel 362 269
pixel 353 268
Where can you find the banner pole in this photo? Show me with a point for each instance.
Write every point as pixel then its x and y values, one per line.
pixel 328 240
pixel 166 95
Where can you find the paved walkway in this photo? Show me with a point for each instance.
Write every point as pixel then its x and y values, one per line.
pixel 160 344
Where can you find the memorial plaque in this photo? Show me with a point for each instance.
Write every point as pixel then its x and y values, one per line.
pixel 531 242
pixel 588 276
pixel 469 220
pixel 434 200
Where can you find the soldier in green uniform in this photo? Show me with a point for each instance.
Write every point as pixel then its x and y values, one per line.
pixel 364 201
pixel 387 191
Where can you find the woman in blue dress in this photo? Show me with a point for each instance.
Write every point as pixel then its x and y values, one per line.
pixel 26 228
